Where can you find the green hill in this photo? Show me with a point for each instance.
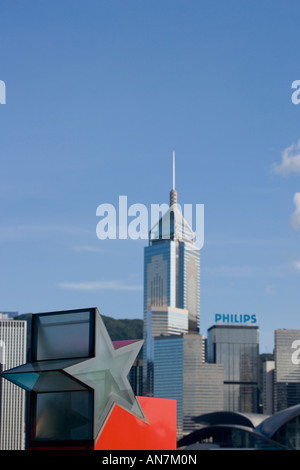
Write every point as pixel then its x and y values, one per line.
pixel 124 328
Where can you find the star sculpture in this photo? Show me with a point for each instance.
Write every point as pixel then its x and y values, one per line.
pixel 104 373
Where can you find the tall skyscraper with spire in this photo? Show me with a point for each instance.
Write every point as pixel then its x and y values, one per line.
pixel 171 281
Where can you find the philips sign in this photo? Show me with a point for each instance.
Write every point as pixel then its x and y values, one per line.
pixel 233 318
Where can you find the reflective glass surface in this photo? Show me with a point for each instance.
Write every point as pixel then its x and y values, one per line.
pixel 289 434
pixel 44 366
pixel 286 356
pixel 63 416
pixel 62 335
pixel 236 347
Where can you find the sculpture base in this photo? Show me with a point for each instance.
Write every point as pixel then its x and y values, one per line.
pixel 124 431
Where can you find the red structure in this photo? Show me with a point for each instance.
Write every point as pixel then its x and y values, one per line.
pixel 123 431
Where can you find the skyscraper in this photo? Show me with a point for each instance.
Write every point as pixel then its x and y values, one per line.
pixel 237 348
pixel 287 370
pixel 171 280
pixel 268 387
pixel 181 373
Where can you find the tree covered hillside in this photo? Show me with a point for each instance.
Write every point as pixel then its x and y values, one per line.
pixel 123 329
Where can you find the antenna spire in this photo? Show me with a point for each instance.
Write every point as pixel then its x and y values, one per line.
pixel 173 170
pixel 173 193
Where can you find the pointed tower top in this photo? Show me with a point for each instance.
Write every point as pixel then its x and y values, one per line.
pixel 173 193
pixel 172 225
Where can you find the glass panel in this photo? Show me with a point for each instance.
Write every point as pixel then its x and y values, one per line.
pixel 62 335
pixel 64 416
pixel 26 381
pixel 56 381
pixel 44 381
pixel 43 366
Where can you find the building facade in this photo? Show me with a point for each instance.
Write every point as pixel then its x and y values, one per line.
pixel 180 373
pixel 237 348
pixel 8 315
pixel 13 349
pixel 268 387
pixel 172 271
pixel 135 377
pixel 287 369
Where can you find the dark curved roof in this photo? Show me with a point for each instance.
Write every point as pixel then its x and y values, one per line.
pixel 271 424
pixel 210 431
pixel 230 417
pixel 259 426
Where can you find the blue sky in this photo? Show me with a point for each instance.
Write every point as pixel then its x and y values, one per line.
pixel 98 95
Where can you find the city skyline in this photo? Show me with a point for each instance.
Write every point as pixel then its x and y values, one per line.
pixel 98 96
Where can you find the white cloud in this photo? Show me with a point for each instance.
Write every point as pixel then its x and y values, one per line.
pixel 290 162
pixel 100 285
pixel 295 218
pixel 297 265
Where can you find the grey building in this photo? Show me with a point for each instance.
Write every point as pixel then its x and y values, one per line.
pixel 180 373
pixel 287 369
pixel 268 387
pixel 237 348
pixel 13 349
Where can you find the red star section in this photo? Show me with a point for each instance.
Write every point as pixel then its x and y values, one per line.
pixel 123 431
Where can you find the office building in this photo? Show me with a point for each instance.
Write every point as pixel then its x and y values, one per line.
pixel 8 315
pixel 135 377
pixel 237 348
pixel 12 399
pixel 287 369
pixel 171 281
pixel 161 321
pixel 180 373
pixel 268 387
pixel 172 268
pixel 166 320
